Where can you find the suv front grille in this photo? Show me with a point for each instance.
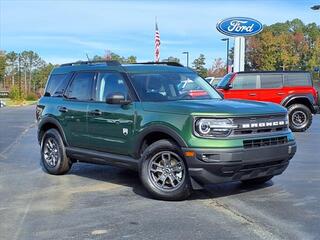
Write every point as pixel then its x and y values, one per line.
pixel 256 143
pixel 254 131
pixel 260 124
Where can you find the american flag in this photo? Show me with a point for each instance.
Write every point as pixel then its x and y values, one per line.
pixel 157 44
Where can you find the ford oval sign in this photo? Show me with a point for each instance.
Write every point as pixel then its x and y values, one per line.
pixel 239 26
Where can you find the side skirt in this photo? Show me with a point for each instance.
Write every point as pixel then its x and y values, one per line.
pixel 97 157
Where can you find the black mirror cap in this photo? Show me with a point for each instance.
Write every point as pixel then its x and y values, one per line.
pixel 117 98
pixel 228 86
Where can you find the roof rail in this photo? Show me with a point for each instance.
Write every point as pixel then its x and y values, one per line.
pixel 107 62
pixel 164 63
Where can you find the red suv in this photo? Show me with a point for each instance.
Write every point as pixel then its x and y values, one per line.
pixel 291 89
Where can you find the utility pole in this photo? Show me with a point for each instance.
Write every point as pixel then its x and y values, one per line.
pixel 227 61
pixel 316 8
pixel 187 54
pixel 19 73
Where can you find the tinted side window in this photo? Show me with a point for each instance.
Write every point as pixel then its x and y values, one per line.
pixel 109 83
pixel 271 80
pixel 243 81
pixel 57 83
pixel 80 87
pixel 224 81
pixel 298 79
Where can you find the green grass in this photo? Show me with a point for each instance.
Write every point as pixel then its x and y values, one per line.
pixel 12 103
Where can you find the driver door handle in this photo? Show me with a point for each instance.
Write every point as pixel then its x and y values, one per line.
pixel 96 112
pixel 252 94
pixel 63 109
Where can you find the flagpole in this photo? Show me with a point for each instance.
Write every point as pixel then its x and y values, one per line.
pixel 156 42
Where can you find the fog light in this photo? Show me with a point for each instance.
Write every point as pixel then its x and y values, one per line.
pixel 189 154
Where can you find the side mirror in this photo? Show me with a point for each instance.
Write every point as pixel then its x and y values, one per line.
pixel 117 98
pixel 228 86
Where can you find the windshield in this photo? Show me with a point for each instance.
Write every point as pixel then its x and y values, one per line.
pixel 224 81
pixel 159 87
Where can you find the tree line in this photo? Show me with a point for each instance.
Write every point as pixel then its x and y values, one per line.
pixel 291 45
pixel 25 72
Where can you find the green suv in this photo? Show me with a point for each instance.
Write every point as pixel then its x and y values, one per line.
pixel 141 116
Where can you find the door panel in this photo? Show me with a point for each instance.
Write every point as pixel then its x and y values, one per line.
pixel 272 88
pixel 244 86
pixel 74 120
pixel 110 126
pixel 74 109
pixel 248 94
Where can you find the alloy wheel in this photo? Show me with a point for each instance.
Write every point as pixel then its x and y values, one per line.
pixel 51 152
pixel 166 171
pixel 299 118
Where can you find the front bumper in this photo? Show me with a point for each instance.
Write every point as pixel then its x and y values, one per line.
pixel 234 164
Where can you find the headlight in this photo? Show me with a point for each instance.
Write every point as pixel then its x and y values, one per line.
pixel 209 127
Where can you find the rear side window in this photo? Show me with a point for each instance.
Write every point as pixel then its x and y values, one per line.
pixel 56 85
pixel 297 79
pixel 245 81
pixel 271 80
pixel 81 86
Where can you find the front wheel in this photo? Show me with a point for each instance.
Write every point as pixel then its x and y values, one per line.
pixel 163 171
pixel 300 117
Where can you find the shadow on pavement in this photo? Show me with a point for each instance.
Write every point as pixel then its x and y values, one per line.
pixel 128 178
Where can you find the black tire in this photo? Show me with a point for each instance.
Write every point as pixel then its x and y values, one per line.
pixel 159 149
pixel 257 181
pixel 297 113
pixel 59 163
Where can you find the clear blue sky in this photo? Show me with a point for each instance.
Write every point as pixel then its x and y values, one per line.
pixel 63 31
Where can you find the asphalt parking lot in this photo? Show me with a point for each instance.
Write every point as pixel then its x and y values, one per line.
pixel 102 202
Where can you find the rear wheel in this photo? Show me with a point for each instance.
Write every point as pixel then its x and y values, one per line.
pixel 163 171
pixel 257 181
pixel 53 155
pixel 300 117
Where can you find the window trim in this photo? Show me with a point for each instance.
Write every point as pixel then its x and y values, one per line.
pixel 74 74
pixel 68 77
pixel 294 86
pixel 98 72
pixel 282 80
pixel 240 89
pixel 132 92
pixel 159 72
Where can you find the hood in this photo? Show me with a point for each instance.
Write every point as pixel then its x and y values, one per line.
pixel 215 107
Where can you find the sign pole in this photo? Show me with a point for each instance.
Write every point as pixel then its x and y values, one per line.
pixel 239 28
pixel 239 54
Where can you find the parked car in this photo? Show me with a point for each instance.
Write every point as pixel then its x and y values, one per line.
pixel 2 103
pixel 137 116
pixel 292 89
pixel 213 81
pixel 191 89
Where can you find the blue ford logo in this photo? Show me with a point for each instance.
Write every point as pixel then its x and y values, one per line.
pixel 239 26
